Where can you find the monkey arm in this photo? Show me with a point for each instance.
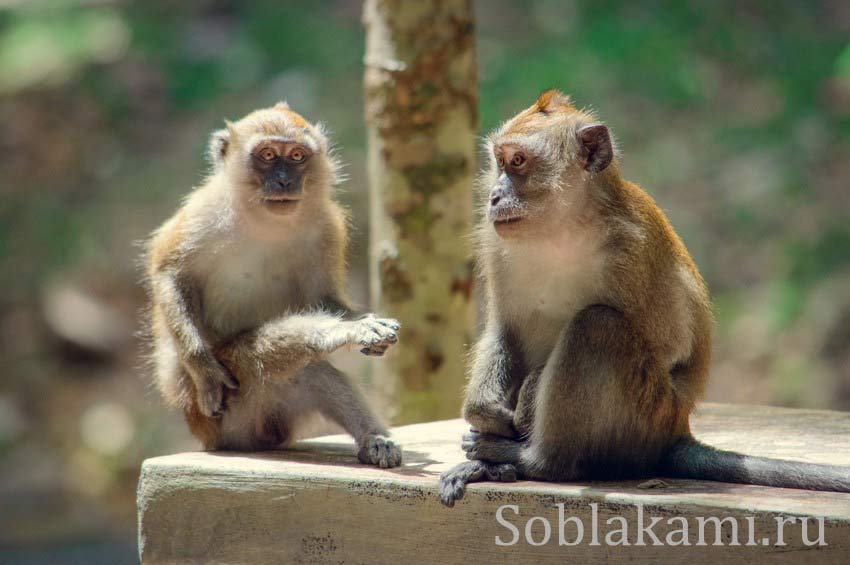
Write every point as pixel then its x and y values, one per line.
pixel 288 344
pixel 180 309
pixel 341 306
pixel 496 372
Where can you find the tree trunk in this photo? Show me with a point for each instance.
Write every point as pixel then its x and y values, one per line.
pixel 421 112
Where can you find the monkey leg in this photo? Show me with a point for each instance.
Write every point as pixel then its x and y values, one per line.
pixel 603 407
pixel 322 387
pixel 453 482
pixel 267 413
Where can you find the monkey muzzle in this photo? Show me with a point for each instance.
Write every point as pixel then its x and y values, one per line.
pixel 504 206
pixel 282 189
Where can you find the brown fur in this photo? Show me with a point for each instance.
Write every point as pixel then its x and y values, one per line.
pixel 643 255
pixel 598 334
pixel 247 294
pixel 597 342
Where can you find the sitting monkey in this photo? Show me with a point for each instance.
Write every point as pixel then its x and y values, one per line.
pixel 598 326
pixel 247 295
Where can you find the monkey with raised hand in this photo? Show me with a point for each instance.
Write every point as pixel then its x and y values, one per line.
pixel 246 285
pixel 598 325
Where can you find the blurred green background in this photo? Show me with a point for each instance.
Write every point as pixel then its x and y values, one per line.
pixel 734 115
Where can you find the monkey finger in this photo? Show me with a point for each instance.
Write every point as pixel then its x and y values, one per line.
pixel 370 340
pixel 503 473
pixel 469 441
pixel 228 379
pixel 373 351
pixel 384 332
pixel 390 323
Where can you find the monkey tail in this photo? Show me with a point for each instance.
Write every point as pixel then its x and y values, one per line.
pixel 693 460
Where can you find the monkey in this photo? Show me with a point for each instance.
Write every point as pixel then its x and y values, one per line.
pixel 247 299
pixel 598 326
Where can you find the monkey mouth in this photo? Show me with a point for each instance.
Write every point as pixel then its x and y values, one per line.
pixel 280 204
pixel 508 218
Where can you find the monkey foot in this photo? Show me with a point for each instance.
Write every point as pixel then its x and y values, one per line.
pixel 380 451
pixel 453 482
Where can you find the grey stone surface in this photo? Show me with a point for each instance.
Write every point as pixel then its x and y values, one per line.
pixel 317 504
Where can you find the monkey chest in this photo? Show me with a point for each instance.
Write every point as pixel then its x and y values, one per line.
pixel 545 298
pixel 248 287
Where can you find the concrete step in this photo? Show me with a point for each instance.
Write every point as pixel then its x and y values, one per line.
pixel 317 504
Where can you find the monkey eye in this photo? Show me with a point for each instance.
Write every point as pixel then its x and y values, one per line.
pixel 268 154
pixel 518 160
pixel 297 155
pixel 500 161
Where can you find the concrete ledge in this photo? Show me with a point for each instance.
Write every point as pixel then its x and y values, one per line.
pixel 316 504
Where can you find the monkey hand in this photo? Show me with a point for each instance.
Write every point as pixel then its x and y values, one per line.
pixel 491 448
pixel 453 482
pixel 374 335
pixel 491 418
pixel 210 380
pixel 379 451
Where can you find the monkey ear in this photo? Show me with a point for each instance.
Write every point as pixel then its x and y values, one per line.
pixel 218 146
pixel 595 148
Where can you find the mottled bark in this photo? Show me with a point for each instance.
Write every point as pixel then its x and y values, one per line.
pixel 421 110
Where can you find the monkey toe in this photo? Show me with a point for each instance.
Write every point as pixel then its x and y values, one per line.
pixel 451 490
pixel 453 482
pixel 502 473
pixel 228 380
pixel 380 451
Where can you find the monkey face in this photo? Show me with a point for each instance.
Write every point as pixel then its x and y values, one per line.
pixel 280 168
pixel 505 206
pixel 542 161
pixel 275 159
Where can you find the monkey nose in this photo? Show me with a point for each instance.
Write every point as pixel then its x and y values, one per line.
pixel 284 183
pixel 495 200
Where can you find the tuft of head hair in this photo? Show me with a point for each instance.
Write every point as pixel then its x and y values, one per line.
pixel 553 100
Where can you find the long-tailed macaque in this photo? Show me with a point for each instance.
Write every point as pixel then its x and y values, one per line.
pixel 598 326
pixel 247 294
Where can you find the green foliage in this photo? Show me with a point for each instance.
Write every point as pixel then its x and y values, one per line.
pixel 735 115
